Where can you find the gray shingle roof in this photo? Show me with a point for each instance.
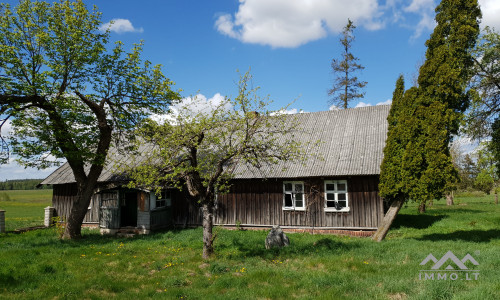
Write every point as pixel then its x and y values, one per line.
pixel 352 143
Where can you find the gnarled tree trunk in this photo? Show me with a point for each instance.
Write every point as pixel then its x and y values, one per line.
pixel 208 238
pixel 421 208
pixel 449 199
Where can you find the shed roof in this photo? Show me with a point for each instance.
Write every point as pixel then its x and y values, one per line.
pixel 352 143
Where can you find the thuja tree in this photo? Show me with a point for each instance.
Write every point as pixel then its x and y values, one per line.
pixel 68 94
pixel 346 86
pixel 442 98
pixel 198 150
pixel 432 110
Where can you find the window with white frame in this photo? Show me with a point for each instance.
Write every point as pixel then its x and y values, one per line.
pixel 336 198
pixel 165 199
pixel 293 195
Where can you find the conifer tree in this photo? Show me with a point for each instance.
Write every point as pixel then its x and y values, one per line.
pixel 432 111
pixel 346 86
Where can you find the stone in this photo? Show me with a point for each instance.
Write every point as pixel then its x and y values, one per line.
pixel 276 238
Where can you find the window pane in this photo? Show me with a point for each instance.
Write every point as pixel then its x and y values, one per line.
pixel 299 203
pixel 288 200
pixel 298 197
pixel 342 203
pixel 341 196
pixel 298 187
pixel 288 187
pixel 330 196
pixel 330 203
pixel 341 186
pixel 330 187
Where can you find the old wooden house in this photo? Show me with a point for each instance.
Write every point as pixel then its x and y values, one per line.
pixel 336 190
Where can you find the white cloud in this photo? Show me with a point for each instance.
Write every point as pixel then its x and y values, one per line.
pixel 284 23
pixel 6 128
pixel 12 170
pixel 334 107
pixel 425 10
pixel 194 105
pixel 386 102
pixel 362 104
pixel 291 111
pixel 120 26
pixel 491 13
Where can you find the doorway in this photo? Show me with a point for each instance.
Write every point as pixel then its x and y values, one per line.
pixel 129 210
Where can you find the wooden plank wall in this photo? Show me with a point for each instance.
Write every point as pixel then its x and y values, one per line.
pixel 62 201
pixel 257 202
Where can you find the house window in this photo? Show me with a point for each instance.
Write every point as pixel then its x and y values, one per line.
pixel 293 195
pixel 164 200
pixel 336 198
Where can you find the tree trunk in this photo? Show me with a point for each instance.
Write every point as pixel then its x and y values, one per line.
pixel 387 221
pixel 449 199
pixel 208 247
pixel 421 208
pixel 73 229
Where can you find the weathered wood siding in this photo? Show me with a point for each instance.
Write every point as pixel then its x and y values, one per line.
pixel 62 200
pixel 260 203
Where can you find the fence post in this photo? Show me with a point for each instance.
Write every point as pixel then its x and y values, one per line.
pixel 2 221
pixel 49 214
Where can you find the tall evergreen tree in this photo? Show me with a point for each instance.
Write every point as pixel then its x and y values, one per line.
pixel 346 86
pixel 432 111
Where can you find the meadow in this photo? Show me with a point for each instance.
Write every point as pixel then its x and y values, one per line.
pixel 168 264
pixel 24 208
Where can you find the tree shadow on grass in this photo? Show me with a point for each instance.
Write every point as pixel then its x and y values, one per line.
pixel 416 221
pixel 478 236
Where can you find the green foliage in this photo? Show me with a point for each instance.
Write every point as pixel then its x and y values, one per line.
pixel 22 184
pixel 431 112
pixel 68 94
pixel 346 86
pixel 61 85
pixel 390 169
pixel 484 181
pixel 485 107
pixel 200 149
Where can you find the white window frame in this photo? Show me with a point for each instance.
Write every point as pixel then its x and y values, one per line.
pixel 155 199
pixel 293 194
pixel 336 193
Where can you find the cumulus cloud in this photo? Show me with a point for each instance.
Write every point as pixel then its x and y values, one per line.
pixel 386 102
pixel 491 13
pixel 425 10
pixel 288 24
pixel 290 111
pixel 362 104
pixel 120 26
pixel 196 104
pixel 6 128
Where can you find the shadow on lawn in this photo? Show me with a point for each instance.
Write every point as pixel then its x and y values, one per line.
pixel 464 235
pixel 416 221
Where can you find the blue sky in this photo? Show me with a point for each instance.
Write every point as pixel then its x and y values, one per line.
pixel 288 45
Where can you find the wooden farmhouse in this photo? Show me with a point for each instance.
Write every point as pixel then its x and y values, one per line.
pixel 334 191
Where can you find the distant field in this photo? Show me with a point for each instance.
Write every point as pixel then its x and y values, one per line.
pixel 168 264
pixel 24 208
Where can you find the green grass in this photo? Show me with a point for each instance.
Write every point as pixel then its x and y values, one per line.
pixel 168 265
pixel 24 208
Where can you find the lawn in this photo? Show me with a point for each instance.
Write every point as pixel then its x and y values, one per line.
pixel 24 208
pixel 168 265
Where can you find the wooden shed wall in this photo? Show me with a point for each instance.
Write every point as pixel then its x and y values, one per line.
pixel 257 202
pixel 62 200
